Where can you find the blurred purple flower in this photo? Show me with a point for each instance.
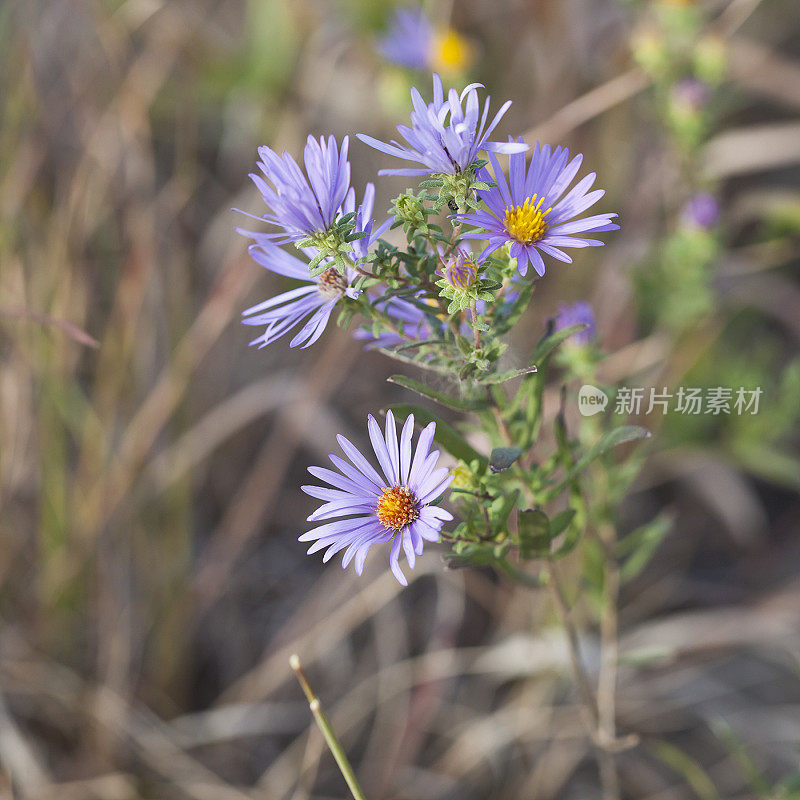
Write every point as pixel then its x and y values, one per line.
pixel 702 211
pixel 579 313
pixel 409 39
pixel 528 210
pixel 415 324
pixel 445 136
pixel 412 322
pixel 303 204
pixel 390 507
pixel 691 94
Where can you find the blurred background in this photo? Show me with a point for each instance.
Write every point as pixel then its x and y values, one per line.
pixel 151 584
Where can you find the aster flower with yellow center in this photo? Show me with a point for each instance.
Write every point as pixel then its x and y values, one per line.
pixel 393 505
pixel 530 211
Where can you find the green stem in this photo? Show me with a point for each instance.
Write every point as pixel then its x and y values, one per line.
pixel 327 730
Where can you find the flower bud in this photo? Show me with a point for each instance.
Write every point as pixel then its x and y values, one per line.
pixel 461 272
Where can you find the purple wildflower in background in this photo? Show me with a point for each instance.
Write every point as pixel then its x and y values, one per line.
pixel 445 136
pixel 691 94
pixel 579 313
pixel 529 212
pixel 409 39
pixel 303 204
pixel 390 507
pixel 412 322
pixel 702 211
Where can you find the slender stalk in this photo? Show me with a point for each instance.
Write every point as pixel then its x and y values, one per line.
pixel 607 680
pixel 474 322
pixel 327 731
pixel 591 710
pixel 581 678
pixel 609 657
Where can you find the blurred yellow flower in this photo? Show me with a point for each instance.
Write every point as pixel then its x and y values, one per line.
pixel 451 52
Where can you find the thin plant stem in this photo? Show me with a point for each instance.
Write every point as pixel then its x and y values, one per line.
pixel 581 678
pixel 327 730
pixel 609 656
pixel 591 712
pixel 475 323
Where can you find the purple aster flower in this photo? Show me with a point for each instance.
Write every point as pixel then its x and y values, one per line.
pixel 409 40
pixel 702 211
pixel 530 211
pixel 445 136
pixel 303 205
pixel 579 313
pixel 388 506
pixel 314 301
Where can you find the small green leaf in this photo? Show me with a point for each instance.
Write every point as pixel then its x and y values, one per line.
pixel 560 521
pixel 641 544
pixel 503 457
pixel 501 510
pixel 608 441
pixel 502 377
pixel 534 534
pixel 549 343
pixel 459 404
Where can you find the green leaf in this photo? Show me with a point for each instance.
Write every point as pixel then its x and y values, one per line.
pixel 502 377
pixel 446 435
pixel 608 441
pixel 459 404
pixel 534 534
pixel 560 521
pixel 470 555
pixel 549 343
pixel 641 544
pixel 501 510
pixel 503 457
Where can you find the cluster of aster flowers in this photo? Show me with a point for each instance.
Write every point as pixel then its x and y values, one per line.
pixel 423 296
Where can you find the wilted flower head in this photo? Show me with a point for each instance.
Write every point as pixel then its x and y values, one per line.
pixel 702 211
pixel 315 300
pixel 303 204
pixel 446 135
pixel 530 212
pixel 412 41
pixel 388 506
pixel 579 313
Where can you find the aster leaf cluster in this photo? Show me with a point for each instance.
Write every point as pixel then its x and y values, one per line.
pixel 462 298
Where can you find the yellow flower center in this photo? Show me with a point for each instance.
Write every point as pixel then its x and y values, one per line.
pixel 526 223
pixel 397 507
pixel 451 52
